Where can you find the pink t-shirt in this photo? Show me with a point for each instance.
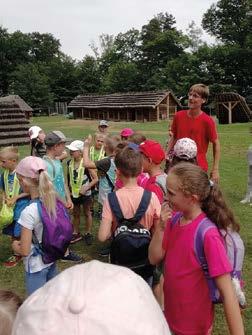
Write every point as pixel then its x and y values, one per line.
pixel 188 307
pixel 129 199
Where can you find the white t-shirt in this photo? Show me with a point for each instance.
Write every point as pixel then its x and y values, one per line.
pixel 30 219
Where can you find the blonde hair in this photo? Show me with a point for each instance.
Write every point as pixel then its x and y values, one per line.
pixel 194 180
pixel 99 135
pixel 10 152
pixel 201 89
pixel 46 191
pixel 111 142
pixel 9 304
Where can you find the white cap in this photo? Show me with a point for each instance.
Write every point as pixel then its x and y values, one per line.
pixel 75 145
pixel 185 148
pixel 34 132
pixel 94 298
pixel 103 123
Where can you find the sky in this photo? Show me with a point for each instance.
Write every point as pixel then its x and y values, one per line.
pixel 77 23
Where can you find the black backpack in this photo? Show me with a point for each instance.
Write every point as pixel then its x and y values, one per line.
pixel 131 240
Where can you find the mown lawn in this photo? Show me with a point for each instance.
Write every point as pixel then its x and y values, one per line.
pixel 235 140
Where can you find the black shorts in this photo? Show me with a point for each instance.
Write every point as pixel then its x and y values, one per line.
pixel 82 199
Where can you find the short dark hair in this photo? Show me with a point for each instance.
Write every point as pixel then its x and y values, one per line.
pixel 129 162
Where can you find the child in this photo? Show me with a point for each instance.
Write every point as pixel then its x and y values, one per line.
pixel 80 189
pixel 55 145
pixel 200 127
pixel 188 307
pixel 185 150
pixel 105 166
pixel 34 180
pixel 129 165
pixel 103 127
pixel 97 151
pixel 9 305
pixel 126 133
pixel 37 136
pixel 137 138
pixel 11 192
pixel 153 155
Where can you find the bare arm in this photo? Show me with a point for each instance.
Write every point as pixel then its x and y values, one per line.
pixel 87 163
pixel 69 203
pixel 216 159
pixel 23 247
pixel 104 232
pixel 94 181
pixel 156 252
pixel 230 304
pixel 171 143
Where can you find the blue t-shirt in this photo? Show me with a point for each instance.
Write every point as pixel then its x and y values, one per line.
pixel 10 181
pixel 56 174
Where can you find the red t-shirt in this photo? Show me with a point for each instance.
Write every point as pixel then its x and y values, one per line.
pixel 188 307
pixel 201 129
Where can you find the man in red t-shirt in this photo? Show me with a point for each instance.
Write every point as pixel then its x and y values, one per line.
pixel 198 126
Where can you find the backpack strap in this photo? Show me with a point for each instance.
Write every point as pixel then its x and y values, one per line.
pixel 142 208
pixel 203 227
pixel 176 217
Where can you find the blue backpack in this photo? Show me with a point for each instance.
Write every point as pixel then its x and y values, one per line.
pixel 131 240
pixel 235 252
pixel 57 233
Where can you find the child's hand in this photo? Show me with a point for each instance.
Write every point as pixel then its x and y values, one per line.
pixel 88 140
pixel 16 245
pixel 69 204
pixel 165 215
pixel 84 189
pixel 10 202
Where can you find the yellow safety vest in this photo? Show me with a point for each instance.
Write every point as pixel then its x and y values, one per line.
pixel 92 154
pixel 76 184
pixel 15 188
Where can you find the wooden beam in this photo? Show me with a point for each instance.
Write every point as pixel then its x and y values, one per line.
pixel 230 107
pixel 157 113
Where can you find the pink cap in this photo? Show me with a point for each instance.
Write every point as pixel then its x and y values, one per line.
pixel 30 167
pixel 93 298
pixel 152 150
pixel 126 132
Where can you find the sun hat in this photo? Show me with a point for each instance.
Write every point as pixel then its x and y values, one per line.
pixel 34 132
pixel 55 137
pixel 103 123
pixel 75 146
pixel 153 150
pixel 94 298
pixel 30 167
pixel 185 148
pixel 126 132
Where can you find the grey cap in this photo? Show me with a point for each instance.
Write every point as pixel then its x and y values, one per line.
pixel 55 137
pixel 103 123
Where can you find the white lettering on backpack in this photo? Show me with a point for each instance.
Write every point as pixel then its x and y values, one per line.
pixel 121 229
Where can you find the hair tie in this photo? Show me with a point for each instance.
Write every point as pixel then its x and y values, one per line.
pixel 211 183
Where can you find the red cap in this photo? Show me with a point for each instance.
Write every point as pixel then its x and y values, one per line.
pixel 153 150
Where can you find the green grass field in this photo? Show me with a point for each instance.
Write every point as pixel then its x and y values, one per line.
pixel 235 140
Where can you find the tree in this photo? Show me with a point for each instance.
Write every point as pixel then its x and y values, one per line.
pixel 228 21
pixel 194 33
pixel 88 73
pixel 44 47
pixel 30 82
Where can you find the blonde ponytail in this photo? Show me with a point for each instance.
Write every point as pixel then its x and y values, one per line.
pixel 47 193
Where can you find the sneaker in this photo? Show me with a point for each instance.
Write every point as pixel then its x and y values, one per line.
pixel 104 252
pixel 12 261
pixel 88 238
pixel 72 257
pixel 76 237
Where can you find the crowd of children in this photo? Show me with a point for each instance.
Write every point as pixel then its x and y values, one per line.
pixel 150 218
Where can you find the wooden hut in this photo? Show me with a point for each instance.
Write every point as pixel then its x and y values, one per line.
pixel 231 108
pixel 13 124
pixel 19 103
pixel 141 106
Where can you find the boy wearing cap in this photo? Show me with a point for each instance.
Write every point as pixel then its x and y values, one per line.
pixel 200 127
pixel 80 189
pixel 185 150
pixel 103 127
pixel 153 155
pixel 55 145
pixel 126 133
pixel 37 136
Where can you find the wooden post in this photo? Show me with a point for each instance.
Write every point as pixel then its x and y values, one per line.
pixel 157 113
pixel 82 112
pixel 168 107
pixel 229 112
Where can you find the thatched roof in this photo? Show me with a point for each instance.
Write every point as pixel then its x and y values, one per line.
pixel 121 100
pixel 17 101
pixel 240 112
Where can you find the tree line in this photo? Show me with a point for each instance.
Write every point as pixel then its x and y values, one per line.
pixel 159 56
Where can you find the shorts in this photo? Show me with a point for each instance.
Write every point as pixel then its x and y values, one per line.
pixel 158 271
pixel 83 199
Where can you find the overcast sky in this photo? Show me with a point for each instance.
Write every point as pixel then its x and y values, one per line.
pixel 78 22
